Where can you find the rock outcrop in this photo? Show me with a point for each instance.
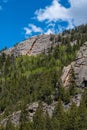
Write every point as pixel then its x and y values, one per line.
pixel 31 108
pixel 80 68
pixel 66 75
pixel 32 46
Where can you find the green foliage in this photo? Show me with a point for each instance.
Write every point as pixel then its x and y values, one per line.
pixel 9 125
pixel 72 86
pixel 48 122
pixel 39 118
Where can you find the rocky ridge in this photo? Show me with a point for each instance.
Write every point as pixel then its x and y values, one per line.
pixel 32 46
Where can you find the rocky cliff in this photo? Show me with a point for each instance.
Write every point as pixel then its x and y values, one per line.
pixel 32 46
pixel 80 68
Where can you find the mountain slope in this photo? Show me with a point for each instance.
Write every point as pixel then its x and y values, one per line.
pixel 31 72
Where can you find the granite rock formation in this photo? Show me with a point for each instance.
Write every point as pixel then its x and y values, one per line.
pixel 32 46
pixel 66 75
pixel 31 108
pixel 80 68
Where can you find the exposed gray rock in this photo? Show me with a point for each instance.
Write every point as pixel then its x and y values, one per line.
pixel 66 75
pixel 77 99
pixel 15 117
pixel 31 108
pixel 32 46
pixel 80 68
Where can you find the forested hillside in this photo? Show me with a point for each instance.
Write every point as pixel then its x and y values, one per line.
pixel 26 79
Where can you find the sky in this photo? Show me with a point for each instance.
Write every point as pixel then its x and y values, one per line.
pixel 20 19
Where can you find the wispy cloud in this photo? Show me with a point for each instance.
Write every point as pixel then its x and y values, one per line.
pixel 34 28
pixel 31 28
pixel 50 31
pixel 27 31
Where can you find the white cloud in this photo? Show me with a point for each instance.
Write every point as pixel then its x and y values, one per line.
pixel 32 29
pixel 78 11
pixel 53 12
pixel 51 25
pixel 50 31
pixel 27 31
pixel 75 15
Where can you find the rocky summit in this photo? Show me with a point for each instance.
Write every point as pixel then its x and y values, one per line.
pixel 31 46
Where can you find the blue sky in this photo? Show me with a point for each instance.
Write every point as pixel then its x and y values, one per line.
pixel 20 19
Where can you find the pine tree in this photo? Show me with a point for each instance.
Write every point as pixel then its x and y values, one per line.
pixel 73 118
pixel 39 119
pixel 23 118
pixel 72 86
pixel 48 121
pixel 9 125
pixel 82 111
pixel 57 116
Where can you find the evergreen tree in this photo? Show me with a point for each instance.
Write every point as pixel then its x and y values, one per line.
pixel 73 118
pixel 39 119
pixel 48 122
pixel 57 116
pixel 24 118
pixel 72 86
pixel 9 125
pixel 82 111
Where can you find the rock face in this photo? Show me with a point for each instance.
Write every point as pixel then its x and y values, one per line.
pixel 31 108
pixel 32 46
pixel 80 68
pixel 66 75
pixel 15 117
